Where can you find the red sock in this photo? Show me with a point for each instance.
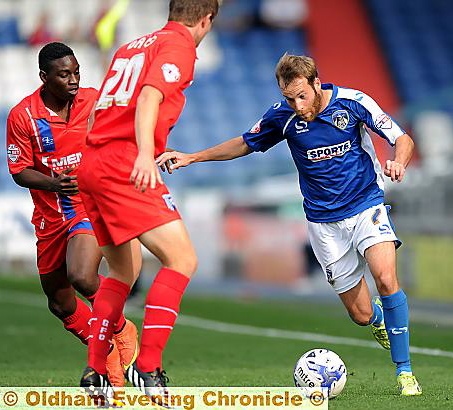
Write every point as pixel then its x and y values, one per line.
pixel 78 323
pixel 122 320
pixel 161 311
pixel 109 304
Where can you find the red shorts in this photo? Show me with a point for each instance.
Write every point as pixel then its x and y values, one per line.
pixel 118 211
pixel 53 240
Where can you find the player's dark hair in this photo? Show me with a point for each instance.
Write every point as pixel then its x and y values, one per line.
pixel 291 67
pixel 51 52
pixel 190 12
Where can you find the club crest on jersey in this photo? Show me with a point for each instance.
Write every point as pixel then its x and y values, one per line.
pixel 323 153
pixel 13 152
pixel 256 128
pixel 340 119
pixel 171 73
pixel 301 126
pixel 383 122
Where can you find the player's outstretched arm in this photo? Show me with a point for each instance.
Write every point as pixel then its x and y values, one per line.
pixel 233 148
pixel 404 148
pixel 64 183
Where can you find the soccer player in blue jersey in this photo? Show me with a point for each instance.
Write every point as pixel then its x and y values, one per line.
pixel 342 185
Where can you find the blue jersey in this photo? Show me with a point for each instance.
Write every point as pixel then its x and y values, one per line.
pixel 339 173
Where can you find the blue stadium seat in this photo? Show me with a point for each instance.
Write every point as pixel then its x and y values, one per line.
pixel 9 31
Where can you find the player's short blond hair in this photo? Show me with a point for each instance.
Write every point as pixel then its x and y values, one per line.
pixel 291 67
pixel 190 12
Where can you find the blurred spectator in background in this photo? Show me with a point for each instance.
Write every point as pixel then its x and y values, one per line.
pixel 42 34
pixel 284 14
pixel 237 15
pixel 105 28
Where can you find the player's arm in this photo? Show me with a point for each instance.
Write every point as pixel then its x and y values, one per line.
pixel 63 183
pixel 21 167
pixel 145 172
pixel 233 148
pixel 396 168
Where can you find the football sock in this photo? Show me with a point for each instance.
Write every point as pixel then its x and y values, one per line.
pixel 122 320
pixel 396 315
pixel 78 323
pixel 107 309
pixel 161 310
pixel 378 315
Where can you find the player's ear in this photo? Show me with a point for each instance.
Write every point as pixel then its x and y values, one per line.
pixel 43 76
pixel 317 84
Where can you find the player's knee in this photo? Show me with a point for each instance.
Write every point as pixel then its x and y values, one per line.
pixel 61 308
pixel 187 265
pixel 387 283
pixel 85 282
pixel 360 316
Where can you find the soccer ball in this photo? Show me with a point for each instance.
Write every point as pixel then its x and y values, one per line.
pixel 321 368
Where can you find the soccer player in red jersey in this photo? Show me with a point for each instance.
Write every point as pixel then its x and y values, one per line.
pixel 46 136
pixel 139 102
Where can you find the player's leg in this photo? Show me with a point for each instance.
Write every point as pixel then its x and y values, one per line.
pixel 381 259
pixel 61 297
pixel 64 304
pixel 171 244
pixel 83 257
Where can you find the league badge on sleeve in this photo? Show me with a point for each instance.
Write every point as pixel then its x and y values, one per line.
pixel 340 119
pixel 13 152
pixel 171 73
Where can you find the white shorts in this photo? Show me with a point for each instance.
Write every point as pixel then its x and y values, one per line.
pixel 340 246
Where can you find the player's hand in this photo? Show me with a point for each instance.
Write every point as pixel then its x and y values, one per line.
pixel 145 173
pixel 394 170
pixel 171 160
pixel 66 184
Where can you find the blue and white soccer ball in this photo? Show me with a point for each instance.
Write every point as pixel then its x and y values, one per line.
pixel 321 368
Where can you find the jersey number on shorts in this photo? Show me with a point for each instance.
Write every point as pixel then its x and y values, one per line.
pixel 127 72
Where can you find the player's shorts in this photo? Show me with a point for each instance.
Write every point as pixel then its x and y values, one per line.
pixel 118 211
pixel 53 240
pixel 340 246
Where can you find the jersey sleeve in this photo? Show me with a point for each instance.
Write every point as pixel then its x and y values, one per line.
pixel 18 143
pixel 171 69
pixel 376 119
pixel 266 133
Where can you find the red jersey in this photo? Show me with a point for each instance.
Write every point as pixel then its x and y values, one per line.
pixel 38 139
pixel 165 60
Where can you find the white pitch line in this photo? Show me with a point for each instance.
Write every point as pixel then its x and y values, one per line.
pixel 33 300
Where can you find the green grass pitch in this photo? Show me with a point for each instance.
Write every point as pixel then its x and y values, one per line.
pixel 36 351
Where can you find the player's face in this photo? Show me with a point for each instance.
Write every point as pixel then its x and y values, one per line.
pixel 63 78
pixel 303 98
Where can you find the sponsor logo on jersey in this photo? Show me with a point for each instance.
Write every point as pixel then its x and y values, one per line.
pixel 13 152
pixel 169 202
pixel 58 164
pixel 256 128
pixel 301 126
pixel 340 119
pixel 323 153
pixel 276 106
pixel 171 73
pixel 383 122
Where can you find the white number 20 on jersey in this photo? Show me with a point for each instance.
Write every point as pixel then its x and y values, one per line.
pixel 127 72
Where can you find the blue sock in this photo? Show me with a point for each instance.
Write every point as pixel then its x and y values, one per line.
pixel 396 316
pixel 378 315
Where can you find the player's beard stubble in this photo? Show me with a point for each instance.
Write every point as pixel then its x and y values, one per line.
pixel 315 108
